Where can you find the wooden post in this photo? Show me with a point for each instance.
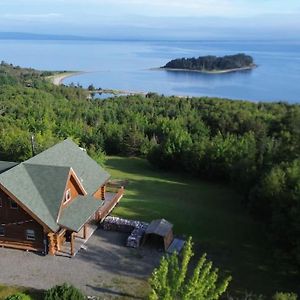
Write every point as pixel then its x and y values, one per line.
pixel 52 244
pixel 103 190
pixel 72 244
pixel 84 231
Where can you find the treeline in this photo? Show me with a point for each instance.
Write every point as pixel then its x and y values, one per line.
pixel 212 63
pixel 254 147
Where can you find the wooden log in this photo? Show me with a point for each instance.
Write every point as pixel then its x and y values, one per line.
pixel 103 191
pixel 52 245
pixel 72 244
pixel 84 231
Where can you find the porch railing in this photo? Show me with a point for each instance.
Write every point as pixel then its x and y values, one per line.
pixel 109 205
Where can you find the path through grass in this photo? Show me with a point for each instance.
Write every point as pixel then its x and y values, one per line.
pixel 212 213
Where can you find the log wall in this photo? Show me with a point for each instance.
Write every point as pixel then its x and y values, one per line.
pixel 14 222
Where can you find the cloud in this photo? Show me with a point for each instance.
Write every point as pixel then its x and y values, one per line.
pixel 198 8
pixel 175 8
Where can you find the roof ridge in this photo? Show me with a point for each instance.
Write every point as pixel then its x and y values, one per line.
pixel 47 166
pixel 51 148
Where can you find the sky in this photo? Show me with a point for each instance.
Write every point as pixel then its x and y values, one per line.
pixel 189 19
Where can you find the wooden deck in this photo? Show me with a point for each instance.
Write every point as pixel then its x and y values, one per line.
pixel 112 198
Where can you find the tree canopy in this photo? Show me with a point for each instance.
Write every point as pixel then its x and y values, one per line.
pixel 212 63
pixel 255 147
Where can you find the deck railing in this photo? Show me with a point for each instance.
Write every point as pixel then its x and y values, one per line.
pixel 109 205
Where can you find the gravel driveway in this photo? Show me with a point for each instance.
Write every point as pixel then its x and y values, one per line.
pixel 107 268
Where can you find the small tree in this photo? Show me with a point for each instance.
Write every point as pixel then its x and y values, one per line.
pixel 285 296
pixel 91 87
pixel 169 281
pixel 64 292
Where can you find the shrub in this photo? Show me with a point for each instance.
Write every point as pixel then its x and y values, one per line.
pixel 64 292
pixel 18 296
pixel 246 296
pixel 285 296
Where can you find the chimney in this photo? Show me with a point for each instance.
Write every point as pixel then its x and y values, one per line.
pixel 32 145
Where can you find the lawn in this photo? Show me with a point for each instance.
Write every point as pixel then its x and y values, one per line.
pixel 6 291
pixel 212 213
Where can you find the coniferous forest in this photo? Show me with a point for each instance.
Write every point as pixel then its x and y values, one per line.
pixel 212 63
pixel 255 147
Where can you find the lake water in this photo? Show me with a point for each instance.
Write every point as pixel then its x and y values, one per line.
pixel 126 65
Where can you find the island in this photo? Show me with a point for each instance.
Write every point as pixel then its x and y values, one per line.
pixel 212 64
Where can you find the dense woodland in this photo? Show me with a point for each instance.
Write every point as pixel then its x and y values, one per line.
pixel 253 147
pixel 212 63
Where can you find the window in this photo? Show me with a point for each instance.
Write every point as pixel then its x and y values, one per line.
pixel 67 196
pixel 0 202
pixel 13 204
pixel 30 235
pixel 2 230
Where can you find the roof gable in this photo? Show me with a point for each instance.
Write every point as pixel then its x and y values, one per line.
pixel 68 154
pixel 39 188
pixel 40 182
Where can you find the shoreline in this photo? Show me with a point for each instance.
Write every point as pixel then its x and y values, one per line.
pixel 58 78
pixel 207 72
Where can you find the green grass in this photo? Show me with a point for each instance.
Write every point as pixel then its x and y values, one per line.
pixel 212 213
pixel 6 291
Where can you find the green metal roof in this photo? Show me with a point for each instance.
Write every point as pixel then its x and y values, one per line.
pixel 6 165
pixel 39 188
pixel 40 182
pixel 68 154
pixel 78 212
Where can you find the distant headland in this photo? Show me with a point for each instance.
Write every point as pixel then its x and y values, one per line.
pixel 212 64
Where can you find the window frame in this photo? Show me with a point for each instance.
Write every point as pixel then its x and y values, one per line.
pixel 30 236
pixel 14 203
pixel 1 226
pixel 68 196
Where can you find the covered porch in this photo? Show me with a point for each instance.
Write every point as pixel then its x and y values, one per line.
pixel 78 227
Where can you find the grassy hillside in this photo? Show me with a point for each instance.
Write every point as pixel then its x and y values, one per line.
pixel 211 213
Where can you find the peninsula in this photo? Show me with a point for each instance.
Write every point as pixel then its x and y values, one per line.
pixel 212 64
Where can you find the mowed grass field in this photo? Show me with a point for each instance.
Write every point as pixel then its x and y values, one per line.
pixel 212 214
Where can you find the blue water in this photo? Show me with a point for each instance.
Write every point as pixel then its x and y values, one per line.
pixel 126 65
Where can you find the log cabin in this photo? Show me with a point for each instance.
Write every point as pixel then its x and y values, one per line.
pixel 53 198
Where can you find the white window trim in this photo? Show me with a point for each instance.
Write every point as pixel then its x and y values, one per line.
pixel 30 236
pixel 68 196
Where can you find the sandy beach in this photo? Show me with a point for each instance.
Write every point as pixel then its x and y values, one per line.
pixel 58 78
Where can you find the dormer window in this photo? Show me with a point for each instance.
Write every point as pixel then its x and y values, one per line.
pixel 67 196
